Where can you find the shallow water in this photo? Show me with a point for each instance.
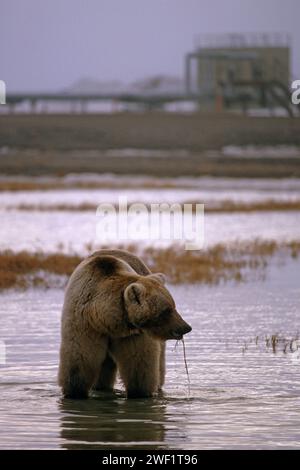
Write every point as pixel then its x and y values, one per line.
pixel 80 232
pixel 201 190
pixel 242 395
pixel 77 231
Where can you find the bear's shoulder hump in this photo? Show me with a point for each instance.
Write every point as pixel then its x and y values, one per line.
pixel 106 265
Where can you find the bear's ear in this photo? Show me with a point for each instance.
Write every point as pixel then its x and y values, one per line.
pixel 158 277
pixel 134 293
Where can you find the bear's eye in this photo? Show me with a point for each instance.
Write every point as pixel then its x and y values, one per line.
pixel 166 312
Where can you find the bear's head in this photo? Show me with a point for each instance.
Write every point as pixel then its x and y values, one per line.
pixel 150 307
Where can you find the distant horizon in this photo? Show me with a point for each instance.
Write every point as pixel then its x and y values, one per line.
pixel 48 46
pixel 125 84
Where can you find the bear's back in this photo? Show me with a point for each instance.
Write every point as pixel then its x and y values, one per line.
pixel 101 265
pixel 133 261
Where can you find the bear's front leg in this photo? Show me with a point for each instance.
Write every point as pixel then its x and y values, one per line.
pixel 162 364
pixel 80 362
pixel 107 375
pixel 138 361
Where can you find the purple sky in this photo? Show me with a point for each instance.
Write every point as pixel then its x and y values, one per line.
pixel 47 45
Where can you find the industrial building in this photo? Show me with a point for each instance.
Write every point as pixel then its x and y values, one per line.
pixel 245 70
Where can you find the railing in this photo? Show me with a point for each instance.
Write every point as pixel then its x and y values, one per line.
pixel 236 40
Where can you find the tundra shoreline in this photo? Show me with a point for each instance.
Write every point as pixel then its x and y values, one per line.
pixel 218 264
pixel 49 144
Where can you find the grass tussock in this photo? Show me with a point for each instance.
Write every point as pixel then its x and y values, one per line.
pixel 276 343
pixel 220 263
pixel 222 207
pixel 15 268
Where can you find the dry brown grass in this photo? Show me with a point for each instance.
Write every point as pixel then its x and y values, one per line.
pixel 217 264
pixel 15 267
pixel 220 263
pixel 36 185
pixel 267 205
pixel 83 207
pixel 223 207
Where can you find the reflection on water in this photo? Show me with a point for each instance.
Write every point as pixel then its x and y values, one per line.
pixel 240 397
pixel 109 421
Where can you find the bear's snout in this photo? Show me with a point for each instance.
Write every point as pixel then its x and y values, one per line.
pixel 177 327
pixel 179 332
pixel 174 327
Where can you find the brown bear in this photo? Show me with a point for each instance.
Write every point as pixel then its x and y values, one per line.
pixel 117 315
